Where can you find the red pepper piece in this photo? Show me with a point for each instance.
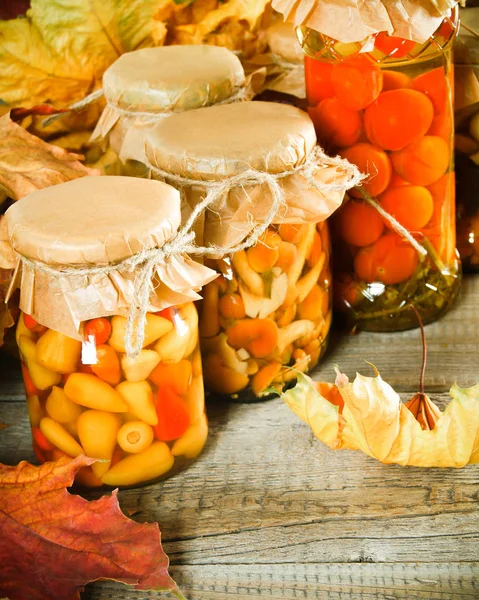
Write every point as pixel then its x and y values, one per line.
pixel 40 440
pixel 30 389
pixel 32 325
pixel 173 415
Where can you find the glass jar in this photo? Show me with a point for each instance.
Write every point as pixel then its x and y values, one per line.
pixel 390 111
pixel 285 67
pixel 142 416
pixel 144 86
pixel 466 79
pixel 269 313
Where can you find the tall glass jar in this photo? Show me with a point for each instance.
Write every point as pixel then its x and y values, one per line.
pixel 142 416
pixel 268 314
pixel 466 80
pixel 389 110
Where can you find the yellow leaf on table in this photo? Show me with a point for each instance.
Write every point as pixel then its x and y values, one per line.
pixel 371 417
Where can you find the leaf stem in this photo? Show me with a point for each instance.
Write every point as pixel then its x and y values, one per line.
pixel 424 348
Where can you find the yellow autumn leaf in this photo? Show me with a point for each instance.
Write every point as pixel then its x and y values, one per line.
pixel 27 163
pixel 58 53
pixel 370 416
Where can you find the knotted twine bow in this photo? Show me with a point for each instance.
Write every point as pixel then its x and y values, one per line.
pixel 144 263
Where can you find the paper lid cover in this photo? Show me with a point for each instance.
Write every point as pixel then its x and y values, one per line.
pixel 94 220
pixel 355 20
pixel 283 42
pixel 173 78
pixel 223 141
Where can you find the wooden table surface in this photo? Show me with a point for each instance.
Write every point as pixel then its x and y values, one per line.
pixel 268 511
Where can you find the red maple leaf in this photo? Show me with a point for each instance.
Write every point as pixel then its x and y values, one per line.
pixel 52 543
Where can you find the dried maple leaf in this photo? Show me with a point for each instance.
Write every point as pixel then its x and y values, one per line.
pixel 373 419
pixel 53 543
pixel 28 163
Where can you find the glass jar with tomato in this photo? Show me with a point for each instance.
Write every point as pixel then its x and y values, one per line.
pixel 140 415
pixel 466 102
pixel 389 110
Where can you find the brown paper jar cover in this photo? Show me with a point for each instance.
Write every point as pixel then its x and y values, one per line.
pixel 283 43
pixel 284 64
pixel 356 20
pixel 214 143
pixel 169 79
pixel 97 221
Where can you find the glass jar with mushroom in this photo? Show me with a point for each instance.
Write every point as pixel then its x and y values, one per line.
pixel 268 314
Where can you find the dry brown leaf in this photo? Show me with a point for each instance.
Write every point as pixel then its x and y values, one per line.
pixel 53 542
pixel 371 417
pixel 28 163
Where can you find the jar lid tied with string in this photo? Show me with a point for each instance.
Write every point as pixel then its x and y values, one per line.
pixel 284 63
pixel 267 190
pixel 142 86
pixel 108 333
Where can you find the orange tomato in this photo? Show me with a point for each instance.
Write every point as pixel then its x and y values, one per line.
pixel 397 118
pixel 373 162
pixel 318 80
pixel 394 80
pixel 424 161
pixel 393 46
pixel 99 328
pixel 346 292
pixel 434 85
pixel 411 205
pixel 390 260
pixel 442 126
pixel 397 181
pixel 358 224
pixel 357 82
pixel 335 124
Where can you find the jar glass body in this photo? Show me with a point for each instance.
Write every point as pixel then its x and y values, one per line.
pixel 466 78
pixel 390 111
pixel 268 315
pixel 143 418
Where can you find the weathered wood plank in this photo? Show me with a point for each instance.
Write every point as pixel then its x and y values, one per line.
pixel 266 491
pixel 268 511
pixel 407 581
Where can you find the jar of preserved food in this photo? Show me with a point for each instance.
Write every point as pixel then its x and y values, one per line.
pixel 284 65
pixel 140 413
pixel 389 110
pixel 466 101
pixel 269 314
pixel 143 86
